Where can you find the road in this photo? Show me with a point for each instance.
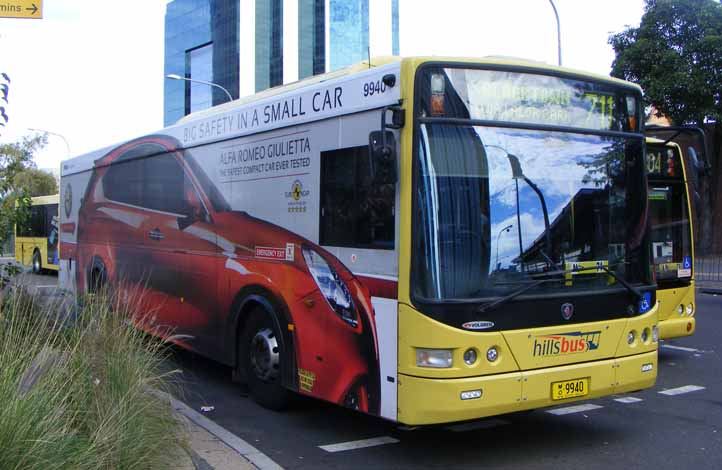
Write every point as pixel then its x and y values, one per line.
pixel 679 429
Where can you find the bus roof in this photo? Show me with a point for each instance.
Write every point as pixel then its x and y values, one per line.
pixel 414 62
pixel 274 108
pixel 41 200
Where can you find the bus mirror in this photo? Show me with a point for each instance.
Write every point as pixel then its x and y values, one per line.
pixel 382 157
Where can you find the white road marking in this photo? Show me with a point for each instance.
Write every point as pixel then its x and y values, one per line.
pixel 476 425
pixel 45 287
pixel 573 409
pixel 351 445
pixel 680 390
pixel 628 400
pixel 681 348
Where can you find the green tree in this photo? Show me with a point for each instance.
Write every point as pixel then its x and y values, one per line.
pixel 675 55
pixel 15 160
pixel 36 182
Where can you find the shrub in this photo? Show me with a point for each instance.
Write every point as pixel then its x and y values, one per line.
pixel 76 391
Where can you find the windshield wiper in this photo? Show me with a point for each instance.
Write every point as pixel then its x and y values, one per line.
pixel 502 300
pixel 623 282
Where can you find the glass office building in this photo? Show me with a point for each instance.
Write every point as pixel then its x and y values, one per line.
pixel 241 45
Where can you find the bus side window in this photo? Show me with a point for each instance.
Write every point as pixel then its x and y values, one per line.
pixel 37 221
pixel 353 214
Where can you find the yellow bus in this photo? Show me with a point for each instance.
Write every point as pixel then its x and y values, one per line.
pixel 36 245
pixel 423 239
pixel 672 238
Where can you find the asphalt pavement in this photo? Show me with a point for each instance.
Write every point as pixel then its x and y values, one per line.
pixel 677 424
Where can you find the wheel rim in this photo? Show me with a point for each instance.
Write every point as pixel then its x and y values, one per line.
pixel 36 264
pixel 264 355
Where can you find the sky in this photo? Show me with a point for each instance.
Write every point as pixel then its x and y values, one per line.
pixel 92 70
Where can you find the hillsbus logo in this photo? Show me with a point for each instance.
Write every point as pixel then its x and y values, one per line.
pixel 566 343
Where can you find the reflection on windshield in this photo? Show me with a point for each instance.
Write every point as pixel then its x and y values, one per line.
pixel 500 207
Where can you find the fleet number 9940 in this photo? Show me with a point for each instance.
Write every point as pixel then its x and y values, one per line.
pixel 374 88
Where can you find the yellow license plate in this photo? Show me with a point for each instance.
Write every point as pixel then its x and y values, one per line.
pixel 570 388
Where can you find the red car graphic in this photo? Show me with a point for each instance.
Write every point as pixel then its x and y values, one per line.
pixel 155 229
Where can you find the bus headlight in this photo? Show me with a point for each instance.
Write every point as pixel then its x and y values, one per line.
pixel 645 335
pixel 470 356
pixel 631 336
pixel 436 358
pixel 690 309
pixel 331 286
pixel 655 334
pixel 492 354
pixel 680 309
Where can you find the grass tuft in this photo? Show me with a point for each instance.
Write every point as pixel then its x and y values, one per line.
pixel 78 394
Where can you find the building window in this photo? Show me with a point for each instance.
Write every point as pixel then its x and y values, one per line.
pixel 349 30
pixel 395 27
pixel 354 214
pixel 311 38
pixel 269 43
pixel 199 66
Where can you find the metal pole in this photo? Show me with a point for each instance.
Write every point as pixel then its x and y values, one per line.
pixel 178 77
pixel 559 33
pixel 67 146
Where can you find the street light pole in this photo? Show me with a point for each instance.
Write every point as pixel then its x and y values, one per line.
pixel 67 146
pixel 173 76
pixel 507 228
pixel 559 33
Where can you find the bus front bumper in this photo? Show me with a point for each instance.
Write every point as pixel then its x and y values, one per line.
pixel 677 327
pixel 431 401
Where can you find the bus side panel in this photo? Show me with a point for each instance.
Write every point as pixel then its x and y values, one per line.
pixel 72 189
pixel 216 221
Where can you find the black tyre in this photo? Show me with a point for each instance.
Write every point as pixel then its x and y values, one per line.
pixel 37 263
pixel 97 279
pixel 261 356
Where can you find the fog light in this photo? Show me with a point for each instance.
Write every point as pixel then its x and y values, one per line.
pixel 645 335
pixel 631 336
pixel 680 309
pixel 436 358
pixel 470 356
pixel 690 309
pixel 655 333
pixel 492 354
pixel 471 394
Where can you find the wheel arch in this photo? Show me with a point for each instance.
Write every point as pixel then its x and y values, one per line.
pixel 248 299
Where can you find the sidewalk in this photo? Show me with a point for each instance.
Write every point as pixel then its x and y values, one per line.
pixel 207 452
pixel 709 287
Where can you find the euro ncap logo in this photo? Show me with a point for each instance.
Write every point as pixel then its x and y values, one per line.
pixel 566 343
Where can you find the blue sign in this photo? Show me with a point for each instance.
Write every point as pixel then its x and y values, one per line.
pixel 687 262
pixel 645 304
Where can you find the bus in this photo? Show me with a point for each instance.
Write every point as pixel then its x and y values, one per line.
pixel 672 238
pixel 334 237
pixel 36 245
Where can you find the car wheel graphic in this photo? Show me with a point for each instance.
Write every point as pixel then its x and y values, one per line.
pixel 262 357
pixel 357 397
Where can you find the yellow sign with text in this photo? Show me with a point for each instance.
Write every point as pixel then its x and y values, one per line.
pixel 32 9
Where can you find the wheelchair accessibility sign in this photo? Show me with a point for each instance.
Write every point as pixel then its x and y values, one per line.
pixel 685 269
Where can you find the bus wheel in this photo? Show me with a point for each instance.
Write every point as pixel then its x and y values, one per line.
pixel 37 263
pixel 262 356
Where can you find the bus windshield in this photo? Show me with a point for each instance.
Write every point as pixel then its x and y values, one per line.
pixel 503 207
pixel 669 218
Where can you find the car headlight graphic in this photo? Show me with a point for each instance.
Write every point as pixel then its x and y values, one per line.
pixel 331 286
